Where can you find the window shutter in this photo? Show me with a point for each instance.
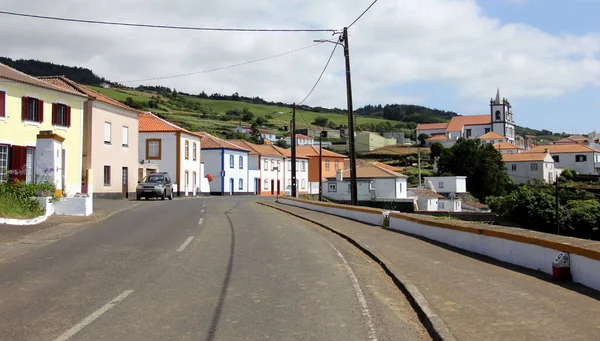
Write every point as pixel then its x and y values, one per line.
pixel 54 113
pixel 41 111
pixel 2 103
pixel 25 108
pixel 68 116
pixel 19 160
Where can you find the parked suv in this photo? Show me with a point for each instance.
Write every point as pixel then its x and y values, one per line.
pixel 157 185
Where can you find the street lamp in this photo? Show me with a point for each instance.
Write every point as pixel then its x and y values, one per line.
pixel 353 183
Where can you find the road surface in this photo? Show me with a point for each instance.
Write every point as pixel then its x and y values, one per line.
pixel 219 268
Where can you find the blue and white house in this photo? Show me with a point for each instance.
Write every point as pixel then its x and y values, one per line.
pixel 228 165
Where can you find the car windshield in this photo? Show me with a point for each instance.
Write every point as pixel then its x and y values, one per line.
pixel 154 178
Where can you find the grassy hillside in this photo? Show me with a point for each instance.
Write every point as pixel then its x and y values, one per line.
pixel 201 114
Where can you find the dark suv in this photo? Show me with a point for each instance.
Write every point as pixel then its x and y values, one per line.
pixel 157 185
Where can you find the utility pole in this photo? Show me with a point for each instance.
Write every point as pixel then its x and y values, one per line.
pixel 293 140
pixel 557 203
pixel 419 164
pixel 353 184
pixel 320 166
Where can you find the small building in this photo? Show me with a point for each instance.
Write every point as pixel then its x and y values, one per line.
pixel 492 138
pixel 315 133
pixel 573 139
pixel 428 200
pixel 301 140
pixel 398 136
pixel 507 148
pixel 447 184
pixel 331 162
pixel 578 157
pixel 524 167
pixel 366 141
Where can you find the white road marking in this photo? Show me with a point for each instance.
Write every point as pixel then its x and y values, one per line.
pixel 79 326
pixel 200 221
pixel 359 295
pixel 202 211
pixel 186 243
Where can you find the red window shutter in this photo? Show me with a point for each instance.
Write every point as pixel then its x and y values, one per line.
pixel 41 111
pixel 19 160
pixel 54 113
pixel 68 116
pixel 25 108
pixel 2 104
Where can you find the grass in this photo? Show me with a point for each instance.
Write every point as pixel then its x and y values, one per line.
pixel 10 208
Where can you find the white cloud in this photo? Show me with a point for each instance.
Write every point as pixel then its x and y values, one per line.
pixel 449 42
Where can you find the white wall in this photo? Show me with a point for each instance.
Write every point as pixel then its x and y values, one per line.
pixel 168 160
pixel 236 173
pixel 427 204
pixel 267 173
pixel 523 172
pixel 567 160
pixel 212 165
pixel 375 218
pixel 190 165
pixel 300 175
pixel 449 205
pixel 448 184
pixel 390 188
pixel 401 188
pixel 476 130
pixel 342 191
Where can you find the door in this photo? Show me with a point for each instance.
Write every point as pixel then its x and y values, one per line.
pixel 125 182
pixel 256 184
pixel 272 187
pixel 278 187
pixel 231 184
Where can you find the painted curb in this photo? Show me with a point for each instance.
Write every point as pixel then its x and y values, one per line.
pixel 434 325
pixel 23 222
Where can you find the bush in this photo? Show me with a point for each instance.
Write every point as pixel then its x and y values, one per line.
pixel 18 197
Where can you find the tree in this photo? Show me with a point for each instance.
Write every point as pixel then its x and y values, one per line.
pixel 281 143
pixel 332 125
pixel 422 138
pixel 482 164
pixel 436 149
pixel 269 116
pixel 255 134
pixel 320 121
pixel 260 121
pixel 566 174
pixel 247 116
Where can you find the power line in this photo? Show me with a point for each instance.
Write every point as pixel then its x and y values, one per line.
pixel 363 13
pixel 189 28
pixel 321 75
pixel 221 68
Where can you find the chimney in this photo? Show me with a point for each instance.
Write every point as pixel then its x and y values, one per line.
pixel 339 176
pixel 547 150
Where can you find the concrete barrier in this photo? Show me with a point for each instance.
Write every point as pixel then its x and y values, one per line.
pixel 77 206
pixel 529 249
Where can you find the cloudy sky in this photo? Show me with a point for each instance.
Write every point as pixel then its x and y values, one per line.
pixel 448 54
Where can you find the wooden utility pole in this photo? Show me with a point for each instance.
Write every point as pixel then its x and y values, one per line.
pixel 353 184
pixel 293 140
pixel 320 166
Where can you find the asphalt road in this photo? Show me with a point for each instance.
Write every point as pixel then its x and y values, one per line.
pixel 201 269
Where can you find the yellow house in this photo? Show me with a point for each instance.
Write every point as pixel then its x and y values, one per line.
pixel 41 131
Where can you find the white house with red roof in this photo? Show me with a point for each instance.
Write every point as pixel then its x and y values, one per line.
pixel 175 150
pixel 228 166
pixel 301 140
pixel 577 157
pixel 499 120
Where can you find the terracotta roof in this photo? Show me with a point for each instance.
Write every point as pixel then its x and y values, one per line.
pixel 458 122
pixel 426 193
pixel 65 83
pixel 18 76
pixel 308 151
pixel 475 204
pixel 150 123
pixel 505 145
pixel 258 149
pixel 432 126
pixel 300 136
pixel 212 142
pixel 367 170
pixel 386 166
pixel 491 136
pixel 440 137
pixel 573 139
pixel 288 152
pixel 524 157
pixel 578 138
pixel 563 148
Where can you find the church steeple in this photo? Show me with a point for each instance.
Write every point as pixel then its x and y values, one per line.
pixel 497 101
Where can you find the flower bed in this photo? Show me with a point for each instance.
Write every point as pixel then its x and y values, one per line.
pixel 18 198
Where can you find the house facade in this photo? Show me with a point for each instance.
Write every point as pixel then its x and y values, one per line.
pixel 301 140
pixel 577 157
pixel 524 167
pixel 447 184
pixel 41 129
pixel 428 200
pixel 110 144
pixel 228 165
pixel 366 141
pixel 269 160
pixel 175 151
pixel 331 163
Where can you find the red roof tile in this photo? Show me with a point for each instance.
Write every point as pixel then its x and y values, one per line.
pixel 426 193
pixel 309 151
pixel 562 148
pixel 150 123
pixel 491 136
pixel 458 122
pixel 432 126
pixel 9 73
pixel 212 142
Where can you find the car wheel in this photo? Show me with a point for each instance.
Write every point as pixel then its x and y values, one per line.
pixel 163 195
pixel 138 197
pixel 147 198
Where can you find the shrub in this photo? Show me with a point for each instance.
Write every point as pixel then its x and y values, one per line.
pixel 21 195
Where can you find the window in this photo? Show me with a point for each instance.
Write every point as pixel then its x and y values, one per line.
pixel 327 165
pixel 580 158
pixel 441 184
pixel 266 184
pixel 266 167
pixel 487 130
pixel 371 185
pixel 497 115
pixel 107 128
pixel 468 133
pixel 61 115
pixel 193 180
pixel 106 175
pixel 534 166
pixel 3 162
pixel 336 165
pixel 125 136
pixel 187 150
pixel 187 179
pixel 303 184
pixel 195 151
pixel 29 166
pixel 153 149
pixel 241 162
pixel 33 109
pixel 2 104
pixel 272 164
pixel 303 166
pixel 442 205
pixel 241 184
pixel 279 165
pixel 332 188
pixel 514 167
pixel 231 161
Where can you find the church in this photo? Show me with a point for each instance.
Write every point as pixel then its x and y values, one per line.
pixel 497 127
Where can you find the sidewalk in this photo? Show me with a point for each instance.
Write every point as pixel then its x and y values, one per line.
pixel 478 298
